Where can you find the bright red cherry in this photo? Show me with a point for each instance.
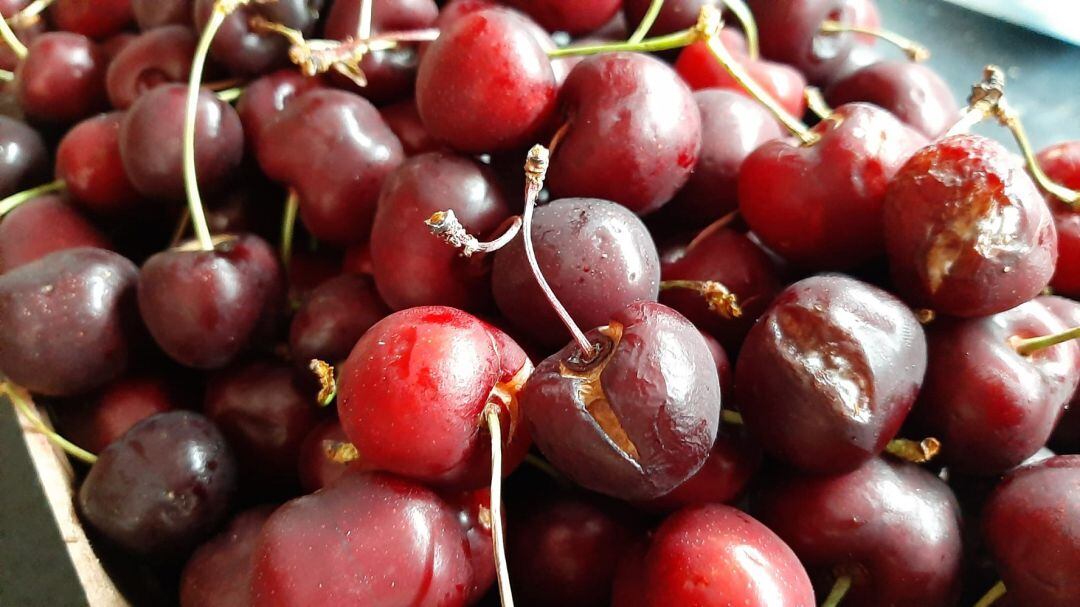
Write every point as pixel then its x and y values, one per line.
pixel 99 422
pixel 42 226
pixel 88 161
pixel 219 573
pixel 700 69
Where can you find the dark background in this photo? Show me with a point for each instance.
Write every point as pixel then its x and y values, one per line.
pixel 1044 84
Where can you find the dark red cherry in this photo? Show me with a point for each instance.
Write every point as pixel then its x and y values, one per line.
pixel 102 420
pixel 151 142
pixel 674 15
pixel 112 45
pixel 88 161
pixel 163 487
pixel 333 148
pixel 157 57
pixel 205 307
pixel 1066 436
pixel 827 375
pixel 26 160
pixel 656 123
pixel 42 226
pixel 714 555
pixel 309 269
pixel 570 16
pixel 62 79
pixel 317 468
pixel 368 539
pixel 98 20
pixel 24 32
pixel 404 120
pixel 219 573
pixel 820 205
pixel 246 52
pixel 412 395
pixel 412 267
pixel 150 14
pixel 1030 525
pixel 390 73
pixel 486 85
pixel 700 69
pixel 85 295
pixel 473 510
pixel 637 419
pixel 265 98
pixel 791 33
pixel 890 526
pixel 913 92
pixel 596 255
pixel 990 406
pixel 966 230
pixel 1061 163
pixel 333 317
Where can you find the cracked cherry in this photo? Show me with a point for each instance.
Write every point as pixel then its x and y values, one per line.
pixel 790 32
pixel 243 50
pixel 829 373
pixel 62 79
pixel 966 230
pixel 219 573
pixel 98 20
pixel 157 57
pixel 913 92
pixel 890 526
pixel 1061 163
pixel 700 69
pixel 41 226
pixel 26 160
pixel 88 161
pixel 333 317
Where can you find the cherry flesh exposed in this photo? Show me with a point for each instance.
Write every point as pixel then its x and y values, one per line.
pixel 160 56
pixel 243 50
pixel 829 373
pixel 333 317
pixel 87 296
pixel 42 226
pixel 105 418
pixel 26 160
pixel 890 526
pixel 219 573
pixel 89 163
pixel 161 488
pixel 1061 163
pixel 62 79
pixel 911 91
pixel 317 469
pixel 570 16
pixel 700 69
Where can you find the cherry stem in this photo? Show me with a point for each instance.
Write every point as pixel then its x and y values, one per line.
pixel 916 452
pixel 749 26
pixel 647 21
pixel 340 452
pixel 914 50
pixel 324 372
pixel 816 102
pixel 719 299
pixel 839 591
pixel 983 101
pixel 536 167
pixel 732 418
pixel 8 204
pixel 11 39
pixel 498 542
pixel 650 45
pixel 30 14
pixel 1008 117
pixel 6 76
pixel 25 406
pixel 363 29
pixel 1031 345
pixel 445 225
pixel 992 595
pixel 288 226
pixel 713 228
pixel 230 94
pixel 181 227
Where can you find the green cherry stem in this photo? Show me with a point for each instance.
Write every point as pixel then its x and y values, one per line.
pixel 1011 120
pixel 749 26
pixel 992 595
pixel 6 76
pixel 839 591
pixel 731 418
pixel 230 94
pixel 647 21
pixel 12 40
pixel 650 45
pixel 30 14
pixel 288 226
pixel 8 204
pixel 916 452
pixel 25 406
pixel 915 51
pixel 1031 345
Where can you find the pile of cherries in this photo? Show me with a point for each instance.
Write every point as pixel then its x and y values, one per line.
pixel 303 281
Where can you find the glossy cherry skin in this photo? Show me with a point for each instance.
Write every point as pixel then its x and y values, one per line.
pixel 368 539
pixel 570 16
pixel 790 33
pixel 596 255
pixel 674 15
pixel 1061 163
pixel 990 406
pixel 163 487
pixel 333 317
pixel 97 20
pixel 151 142
pixel 413 267
pixel 644 105
pixel 827 375
pixel 317 470
pixel 62 79
pixel 159 56
pixel 715 555
pixel 205 307
pixel 473 510
pixel 890 525
pixel 1066 437
pixel 265 98
pixel 390 73
pixel 486 85
pixel 820 205
pixel 404 120
pixel 42 226
pixel 412 393
pixel 219 573
pixel 26 160
pixel 640 417
pixel 84 295
pixel 967 232
pixel 150 14
pixel 88 161
pixel 913 92
pixel 246 52
pixel 334 149
pixel 1031 528
pixel 104 419
pixel 701 70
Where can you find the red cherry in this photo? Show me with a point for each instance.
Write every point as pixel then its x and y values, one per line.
pixel 26 160
pixel 911 91
pixel 42 226
pixel 570 16
pixel 265 98
pixel 89 163
pixel 1061 163
pixel 243 50
pixel 699 68
pixel 791 32
pixel 404 120
pixel 160 56
pixel 1066 437
pixel 317 469
pixel 150 14
pixel 219 573
pixel 674 15
pixel 120 405
pixel 98 20
pixel 62 79
pixel 333 317
pixel 473 509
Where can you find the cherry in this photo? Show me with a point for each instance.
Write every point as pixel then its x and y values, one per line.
pixel 42 226
pixel 26 160
pixel 891 529
pixel 265 98
pixel 990 405
pixel 62 79
pixel 674 15
pixel 333 317
pixel 473 509
pixel 715 555
pixel 1066 437
pixel 150 14
pixel 820 205
pixel 88 162
pixel 245 51
pixel 570 16
pixel 404 120
pixel 413 393
pixel 25 32
pixel 159 56
pixel 98 20
pixel 335 151
pixel 309 269
pixel 598 258
pixel 1030 524
pixel 104 419
pixel 411 267
pixel 87 296
pixel 390 73
pixel 657 124
pixel 1061 163
pixel 151 142
pixel 791 33
pixel 828 374
pixel 163 487
pixel 966 230
pixel 219 573
pixel 112 46
pixel 911 91
pixel 205 307
pixel 317 468
pixel 486 84
pixel 700 70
